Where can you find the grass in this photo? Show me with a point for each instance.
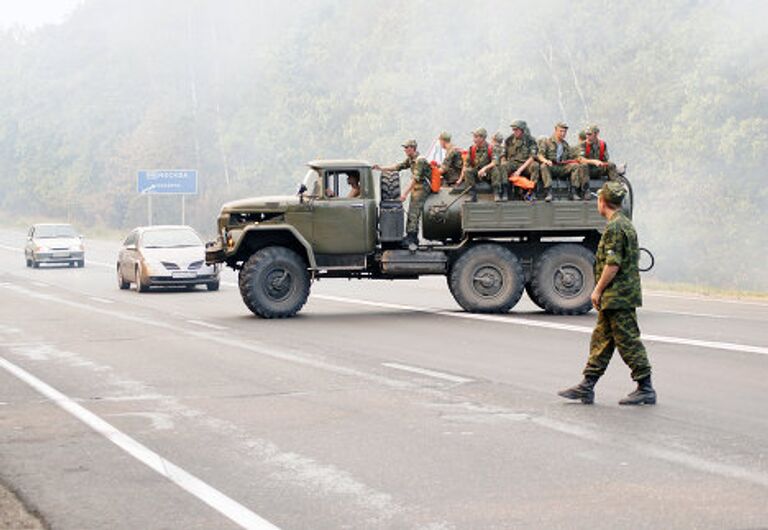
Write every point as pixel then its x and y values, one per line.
pixel 704 290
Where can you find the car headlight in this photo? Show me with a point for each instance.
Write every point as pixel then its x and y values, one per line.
pixel 40 248
pixel 153 267
pixel 77 248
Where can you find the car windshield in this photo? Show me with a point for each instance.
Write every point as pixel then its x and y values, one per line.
pixel 53 231
pixel 170 239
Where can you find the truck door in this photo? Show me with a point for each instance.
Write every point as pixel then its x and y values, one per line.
pixel 345 214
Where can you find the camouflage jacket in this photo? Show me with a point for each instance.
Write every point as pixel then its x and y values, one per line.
pixel 481 156
pixel 421 172
pixel 519 150
pixel 594 151
pixel 548 149
pixel 618 246
pixel 452 164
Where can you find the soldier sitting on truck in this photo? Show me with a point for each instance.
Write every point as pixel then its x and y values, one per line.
pixel 519 157
pixel 418 188
pixel 594 154
pixel 555 157
pixel 452 164
pixel 479 164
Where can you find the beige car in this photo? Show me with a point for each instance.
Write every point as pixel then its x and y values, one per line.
pixel 164 256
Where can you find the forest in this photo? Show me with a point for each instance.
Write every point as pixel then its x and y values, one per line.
pixel 247 91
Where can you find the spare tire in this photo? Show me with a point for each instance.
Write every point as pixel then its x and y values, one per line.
pixel 563 280
pixel 390 186
pixel 487 278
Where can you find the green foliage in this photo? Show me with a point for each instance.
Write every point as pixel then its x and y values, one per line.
pixel 247 92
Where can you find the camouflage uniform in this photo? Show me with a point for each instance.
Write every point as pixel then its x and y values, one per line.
pixel 575 172
pixel 617 318
pixel 421 173
pixel 516 152
pixel 594 154
pixel 481 160
pixel 452 164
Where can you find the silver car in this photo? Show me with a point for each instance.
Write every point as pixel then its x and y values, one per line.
pixel 164 256
pixel 54 243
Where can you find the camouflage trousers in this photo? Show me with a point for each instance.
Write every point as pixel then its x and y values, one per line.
pixel 577 173
pixel 617 328
pixel 606 171
pixel 492 175
pixel 415 207
pixel 533 171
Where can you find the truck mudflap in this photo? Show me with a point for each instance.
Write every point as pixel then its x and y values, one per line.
pixel 214 251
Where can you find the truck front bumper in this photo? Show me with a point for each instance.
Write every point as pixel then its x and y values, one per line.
pixel 214 251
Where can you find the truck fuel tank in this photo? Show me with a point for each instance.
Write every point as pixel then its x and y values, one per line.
pixel 406 262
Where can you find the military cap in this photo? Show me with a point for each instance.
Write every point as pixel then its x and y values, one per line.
pixel 582 134
pixel 519 124
pixel 594 129
pixel 480 132
pixel 561 125
pixel 498 137
pixel 410 143
pixel 446 136
pixel 612 192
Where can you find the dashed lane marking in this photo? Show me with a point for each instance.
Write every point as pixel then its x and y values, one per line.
pixel 207 325
pixel 430 373
pixel 101 300
pixel 217 500
pixel 505 319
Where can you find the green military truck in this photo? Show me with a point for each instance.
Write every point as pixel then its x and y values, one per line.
pixel 489 252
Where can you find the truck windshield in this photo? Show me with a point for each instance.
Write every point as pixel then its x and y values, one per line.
pixel 312 183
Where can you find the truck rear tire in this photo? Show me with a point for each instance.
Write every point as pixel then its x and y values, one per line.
pixel 563 280
pixel 274 283
pixel 487 278
pixel 390 186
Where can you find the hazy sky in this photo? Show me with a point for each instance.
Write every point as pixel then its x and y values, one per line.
pixel 34 13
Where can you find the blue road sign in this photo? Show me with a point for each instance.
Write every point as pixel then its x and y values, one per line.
pixel 167 181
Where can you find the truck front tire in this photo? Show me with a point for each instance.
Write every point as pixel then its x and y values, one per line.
pixel 274 282
pixel 563 280
pixel 487 278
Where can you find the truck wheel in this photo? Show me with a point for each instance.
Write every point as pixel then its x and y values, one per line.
pixel 390 186
pixel 487 279
pixel 532 296
pixel 563 280
pixel 274 283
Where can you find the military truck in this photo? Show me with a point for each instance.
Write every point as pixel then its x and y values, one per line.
pixel 489 252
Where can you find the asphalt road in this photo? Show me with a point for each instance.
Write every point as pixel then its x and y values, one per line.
pixel 380 406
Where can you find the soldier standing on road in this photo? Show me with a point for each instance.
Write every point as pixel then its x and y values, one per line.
pixel 616 297
pixel 418 188
pixel 452 164
pixel 479 162
pixel 554 152
pixel 594 153
pixel 519 158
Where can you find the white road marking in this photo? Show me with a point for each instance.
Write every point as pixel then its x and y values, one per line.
pixel 207 325
pixel 40 284
pixel 430 373
pixel 101 300
pixel 226 506
pixel 505 319
pixel 686 313
pixel 704 298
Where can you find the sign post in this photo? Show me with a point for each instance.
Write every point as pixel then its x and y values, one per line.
pixel 181 182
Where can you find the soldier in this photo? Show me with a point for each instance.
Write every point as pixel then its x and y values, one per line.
pixel 554 155
pixel 354 186
pixel 479 163
pixel 418 188
pixel 499 183
pixel 594 154
pixel 452 163
pixel 616 297
pixel 519 158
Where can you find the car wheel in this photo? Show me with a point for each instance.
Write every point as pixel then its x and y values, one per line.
pixel 121 283
pixel 212 286
pixel 141 287
pixel 72 264
pixel 28 262
pixel 81 263
pixel 35 264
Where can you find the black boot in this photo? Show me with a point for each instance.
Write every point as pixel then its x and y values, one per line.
pixel 574 196
pixel 506 192
pixel 644 395
pixel 585 193
pixel 499 191
pixel 411 238
pixel 584 391
pixel 548 194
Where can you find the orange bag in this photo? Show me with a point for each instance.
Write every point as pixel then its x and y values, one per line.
pixel 522 182
pixel 436 177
